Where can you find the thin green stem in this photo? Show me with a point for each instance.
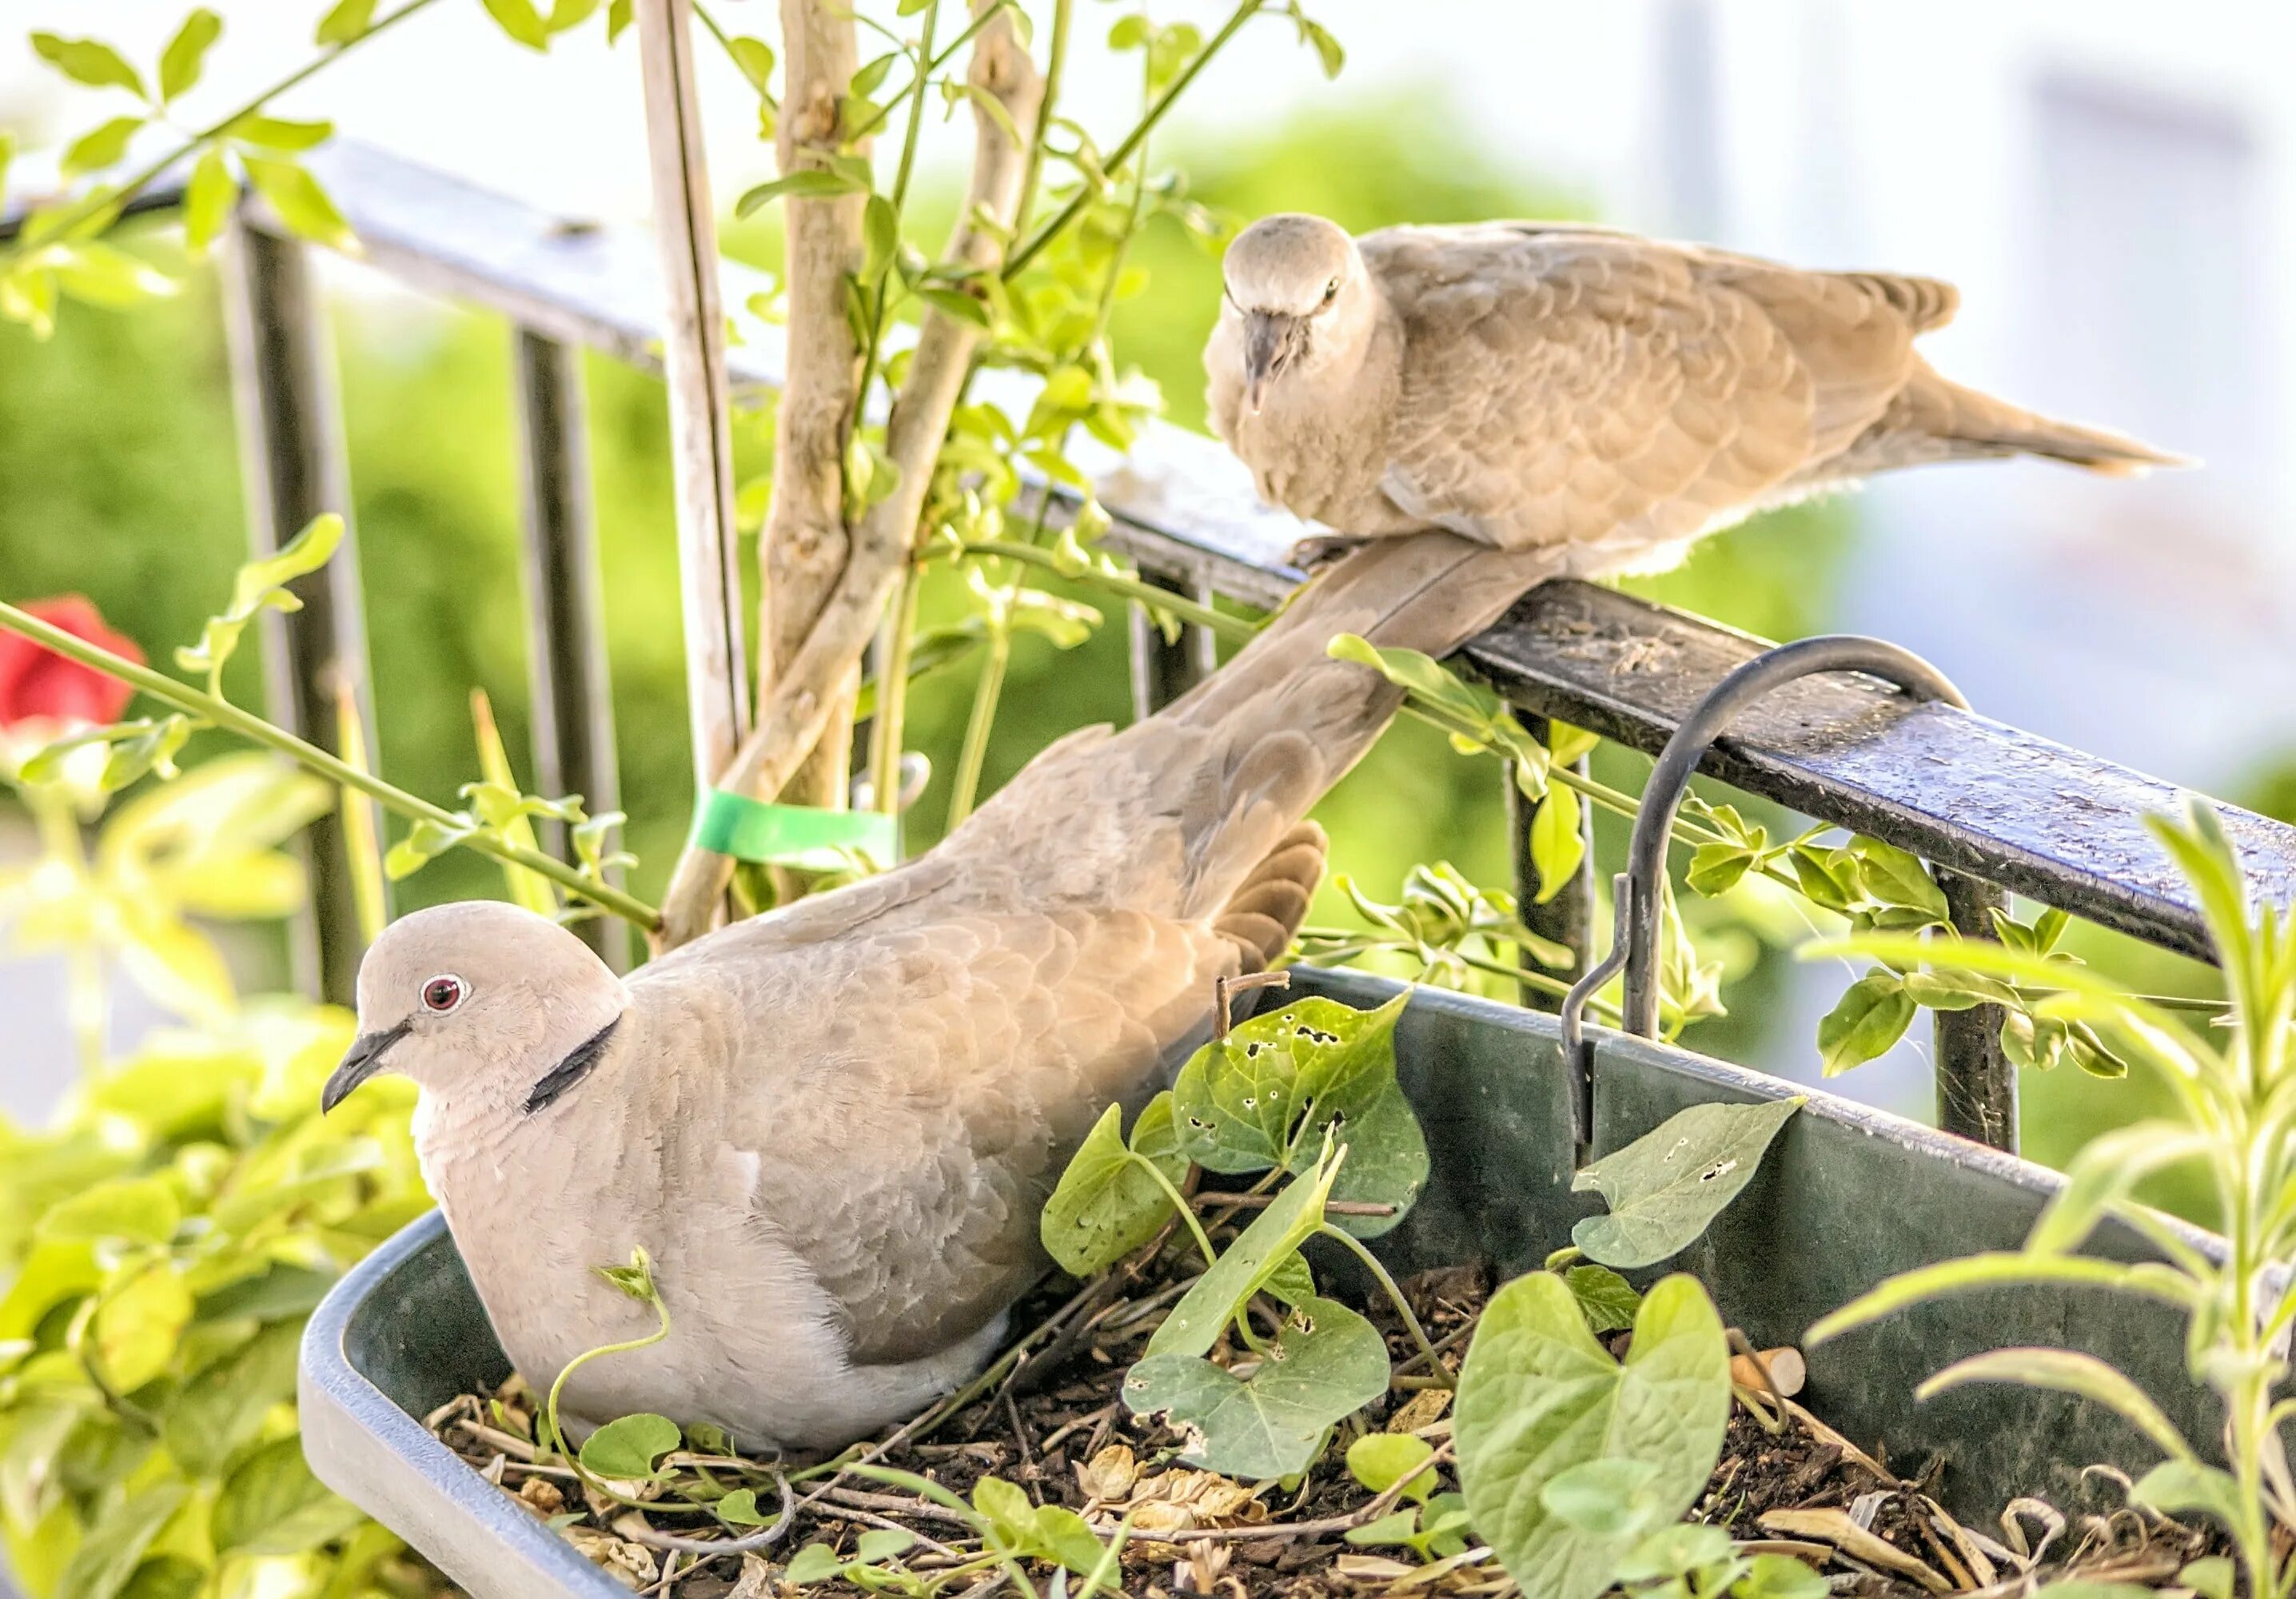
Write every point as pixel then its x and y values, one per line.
pixel 966 784
pixel 557 1436
pixel 881 293
pixel 104 197
pixel 1055 60
pixel 1187 1211
pixel 231 718
pixel 1031 247
pixel 963 39
pixel 1234 627
pixel 1441 1373
pixel 886 731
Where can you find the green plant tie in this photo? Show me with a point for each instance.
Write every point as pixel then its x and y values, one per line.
pixel 791 835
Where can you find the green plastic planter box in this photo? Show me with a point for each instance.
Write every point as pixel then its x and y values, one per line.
pixel 1848 1195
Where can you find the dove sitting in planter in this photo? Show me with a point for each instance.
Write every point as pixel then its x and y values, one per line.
pixel 1573 389
pixel 833 1127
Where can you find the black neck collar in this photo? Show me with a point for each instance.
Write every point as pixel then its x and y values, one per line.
pixel 570 1071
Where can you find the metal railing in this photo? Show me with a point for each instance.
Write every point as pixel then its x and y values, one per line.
pixel 1991 808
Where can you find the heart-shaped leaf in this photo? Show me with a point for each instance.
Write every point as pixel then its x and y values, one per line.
pixel 1107 1205
pixel 1327 1363
pixel 1539 1397
pixel 1607 1300
pixel 1264 1097
pixel 1667 1184
pixel 626 1449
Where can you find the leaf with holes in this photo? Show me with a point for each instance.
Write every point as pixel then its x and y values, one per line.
pixel 1665 1187
pixel 1264 1095
pixel 1327 1363
pixel 1539 1398
pixel 1107 1205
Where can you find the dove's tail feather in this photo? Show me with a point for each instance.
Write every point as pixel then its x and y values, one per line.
pixel 1933 418
pixel 1269 732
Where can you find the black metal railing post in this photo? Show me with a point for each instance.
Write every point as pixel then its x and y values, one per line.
pixel 1569 918
pixel 570 693
pixel 1976 1084
pixel 1162 668
pixel 291 439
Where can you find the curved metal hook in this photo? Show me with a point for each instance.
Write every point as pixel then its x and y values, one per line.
pixel 1640 890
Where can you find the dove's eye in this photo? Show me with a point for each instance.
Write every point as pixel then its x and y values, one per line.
pixel 1331 291
pixel 443 993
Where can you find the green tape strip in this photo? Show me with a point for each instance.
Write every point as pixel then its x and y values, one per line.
pixel 790 835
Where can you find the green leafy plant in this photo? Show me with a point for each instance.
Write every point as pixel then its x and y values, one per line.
pixel 2238 1130
pixel 1433 1526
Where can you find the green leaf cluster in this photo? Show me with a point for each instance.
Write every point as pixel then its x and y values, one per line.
pixel 2238 1129
pixel 161 1246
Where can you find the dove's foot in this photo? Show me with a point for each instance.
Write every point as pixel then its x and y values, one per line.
pixel 1312 555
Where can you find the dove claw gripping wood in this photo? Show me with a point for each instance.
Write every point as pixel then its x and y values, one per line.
pixel 1583 391
pixel 833 1127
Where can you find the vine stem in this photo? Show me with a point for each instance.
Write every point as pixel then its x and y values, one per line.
pixel 1187 1211
pixel 1235 629
pixel 88 205
pixel 222 713
pixel 1031 247
pixel 1442 1373
pixel 550 1409
pixel 935 64
pixel 985 693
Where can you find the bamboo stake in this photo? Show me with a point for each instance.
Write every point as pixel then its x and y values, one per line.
pixel 693 356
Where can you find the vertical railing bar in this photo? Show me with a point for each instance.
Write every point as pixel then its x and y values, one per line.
pixel 1569 918
pixel 292 461
pixel 1976 1083
pixel 570 696
pixel 1163 669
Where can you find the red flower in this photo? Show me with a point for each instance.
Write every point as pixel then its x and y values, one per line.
pixel 38 684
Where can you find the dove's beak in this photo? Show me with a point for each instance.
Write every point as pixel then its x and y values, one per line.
pixel 360 1063
pixel 1268 340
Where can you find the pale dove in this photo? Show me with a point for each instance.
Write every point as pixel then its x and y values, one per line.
pixel 833 1127
pixel 1562 387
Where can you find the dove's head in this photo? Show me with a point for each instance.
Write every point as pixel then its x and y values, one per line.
pixel 1299 287
pixel 479 1000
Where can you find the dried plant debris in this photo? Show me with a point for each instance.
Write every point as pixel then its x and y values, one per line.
pixel 1379 1513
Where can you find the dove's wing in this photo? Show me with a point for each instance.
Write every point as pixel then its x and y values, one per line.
pixel 920 1057
pixel 1573 386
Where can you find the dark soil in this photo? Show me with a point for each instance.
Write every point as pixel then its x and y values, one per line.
pixel 1786 1483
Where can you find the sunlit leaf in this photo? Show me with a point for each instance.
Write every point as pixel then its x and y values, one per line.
pixel 302 202
pixel 207 200
pixel 345 21
pixel 113 1548
pixel 1245 1266
pixel 1870 1016
pixel 808 182
pixel 101 146
pixel 1557 844
pixel 521 20
pixel 271 1505
pixel 180 63
pixel 89 61
pixel 279 134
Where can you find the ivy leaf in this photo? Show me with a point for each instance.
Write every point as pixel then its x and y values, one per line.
pixel 1665 1187
pixel 1871 1015
pixel 628 1448
pixel 180 63
pixel 137 1326
pixel 207 201
pixel 755 58
pixel 100 146
pixel 1258 1252
pixel 260 585
pixel 1539 1397
pixel 346 22
pixel 89 62
pixel 113 1548
pixel 1106 1206
pixel 278 133
pixel 1607 1300
pixel 1327 1363
pixel 1557 845
pixel 1892 876
pixel 807 183
pixel 1265 1096
pixel 271 1505
pixel 302 202
pixel 521 20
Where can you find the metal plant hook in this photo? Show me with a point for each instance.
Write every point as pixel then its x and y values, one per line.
pixel 1640 890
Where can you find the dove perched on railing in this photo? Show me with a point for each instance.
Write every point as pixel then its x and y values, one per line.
pixel 833 1127
pixel 1579 390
